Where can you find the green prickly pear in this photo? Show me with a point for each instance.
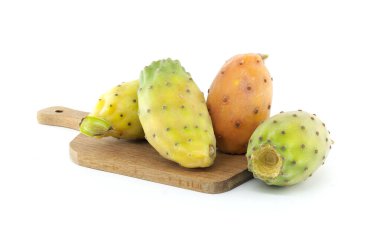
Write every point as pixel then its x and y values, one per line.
pixel 115 114
pixel 174 116
pixel 287 148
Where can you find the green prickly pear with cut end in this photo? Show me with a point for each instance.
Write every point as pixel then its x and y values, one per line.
pixel 287 148
pixel 115 114
pixel 174 116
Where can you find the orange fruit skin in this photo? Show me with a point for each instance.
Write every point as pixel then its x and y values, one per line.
pixel 239 99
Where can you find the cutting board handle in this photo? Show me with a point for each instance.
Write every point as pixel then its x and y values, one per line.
pixel 61 116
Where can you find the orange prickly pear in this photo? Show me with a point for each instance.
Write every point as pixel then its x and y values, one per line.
pixel 239 99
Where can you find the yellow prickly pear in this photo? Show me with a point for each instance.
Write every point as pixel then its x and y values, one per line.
pixel 288 147
pixel 115 114
pixel 174 115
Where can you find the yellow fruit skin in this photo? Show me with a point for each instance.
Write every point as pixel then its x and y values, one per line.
pixel 174 115
pixel 118 107
pixel 239 100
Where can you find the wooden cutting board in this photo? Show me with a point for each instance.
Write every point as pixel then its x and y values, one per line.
pixel 138 159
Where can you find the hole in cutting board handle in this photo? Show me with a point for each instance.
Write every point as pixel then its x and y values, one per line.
pixel 58 111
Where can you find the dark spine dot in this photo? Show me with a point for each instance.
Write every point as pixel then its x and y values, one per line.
pixel 269 106
pixel 241 63
pixel 222 72
pixel 167 129
pixel 176 144
pixel 100 99
pixel 185 127
pixel 110 105
pixel 317 133
pixel 134 100
pixel 196 126
pixel 189 140
pixel 116 94
pixel 327 139
pixel 200 114
pixel 225 98
pixel 150 87
pixel 119 85
pixel 306 168
pixel 256 111
pixel 271 78
pixel 274 121
pixel 182 107
pixel 190 79
pixel 237 124
pixel 265 80
pixel 208 90
pixel 294 115
pixel 249 88
pixel 283 148
pixel 257 61
pixel 316 151
pixel 300 110
pixel 260 138
pixel 154 135
pixel 294 162
pixel 323 124
pixel 121 115
pixel 324 157
pixel 129 123
pixel 286 180
pixel 269 141
pixel 312 118
pixel 281 112
pixel 167 153
pixel 148 110
pixel 164 107
pixel 283 132
pixel 302 146
pixel 302 127
pixel 253 149
pixel 187 90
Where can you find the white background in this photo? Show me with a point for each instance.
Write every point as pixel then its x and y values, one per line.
pixel 324 58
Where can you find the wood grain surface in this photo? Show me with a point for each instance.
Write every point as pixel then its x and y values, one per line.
pixel 138 159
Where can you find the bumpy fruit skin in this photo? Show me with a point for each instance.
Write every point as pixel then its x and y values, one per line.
pixel 115 114
pixel 174 115
pixel 287 148
pixel 239 100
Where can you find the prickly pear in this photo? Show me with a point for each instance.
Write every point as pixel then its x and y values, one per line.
pixel 239 99
pixel 115 114
pixel 174 116
pixel 287 148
